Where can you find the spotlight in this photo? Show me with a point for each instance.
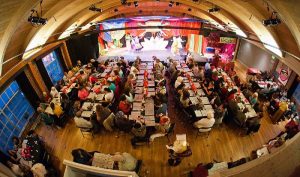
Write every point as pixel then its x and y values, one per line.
pixel 189 9
pixel 37 20
pixel 215 9
pixel 129 4
pixel 140 11
pixel 271 22
pixel 171 3
pixel 95 9
pixel 123 2
pixel 116 10
pixel 177 3
pixel 195 0
pixel 135 3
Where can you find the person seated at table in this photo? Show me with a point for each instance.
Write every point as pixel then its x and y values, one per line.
pixel 253 98
pixel 54 93
pixel 129 83
pixel 116 76
pixel 82 77
pixel 215 101
pixel 205 124
pixel 231 95
pixel 123 62
pixel 108 95
pixel 134 70
pixel 265 90
pixel 15 168
pixel 112 85
pixel 81 122
pixel 174 76
pixel 16 146
pixel 178 82
pixel 128 95
pixel 184 99
pixel 102 113
pixel 57 112
pixel 236 113
pixel 94 63
pixel 82 156
pixel 123 123
pixel 283 106
pixel 253 124
pixel 39 170
pixel 162 127
pixel 207 65
pixel 292 110
pixel 139 132
pixel 210 88
pixel 83 93
pixel 161 88
pixel 237 80
pixel 78 63
pixel 74 92
pixel 124 105
pixel 48 120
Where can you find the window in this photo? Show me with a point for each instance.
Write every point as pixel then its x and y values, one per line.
pixel 53 67
pixel 15 111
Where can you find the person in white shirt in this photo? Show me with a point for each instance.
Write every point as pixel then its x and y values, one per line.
pixel 207 66
pixel 81 122
pixel 54 93
pixel 205 124
pixel 109 95
pixel 39 170
pixel 178 81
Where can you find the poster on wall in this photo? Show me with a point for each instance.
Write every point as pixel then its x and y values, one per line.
pixel 284 73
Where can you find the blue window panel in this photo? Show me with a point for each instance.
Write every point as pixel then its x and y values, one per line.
pixel 4 97
pixel 2 143
pixel 5 134
pixel 53 67
pixel 9 93
pixel 14 86
pixel 10 126
pixel 1 126
pixel 2 104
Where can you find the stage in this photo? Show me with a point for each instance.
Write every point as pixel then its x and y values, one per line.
pixel 146 55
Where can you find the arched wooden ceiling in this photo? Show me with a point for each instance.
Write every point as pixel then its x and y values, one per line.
pixel 16 33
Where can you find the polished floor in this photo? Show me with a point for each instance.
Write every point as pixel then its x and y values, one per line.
pixel 225 143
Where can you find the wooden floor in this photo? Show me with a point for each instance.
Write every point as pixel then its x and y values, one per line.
pixel 223 144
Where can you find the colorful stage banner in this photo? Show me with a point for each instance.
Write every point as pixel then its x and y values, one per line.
pixel 284 73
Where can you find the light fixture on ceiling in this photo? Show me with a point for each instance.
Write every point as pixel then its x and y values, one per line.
pixel 215 9
pixel 135 3
pixel 123 2
pixel 177 3
pixel 171 3
pixel 35 18
pixel 272 21
pixel 94 8
pixel 116 10
pixel 189 9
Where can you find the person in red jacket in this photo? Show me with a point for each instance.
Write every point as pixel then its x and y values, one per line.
pixel 124 106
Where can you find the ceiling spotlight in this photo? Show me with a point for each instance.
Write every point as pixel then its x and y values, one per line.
pixel 116 10
pixel 135 3
pixel 123 2
pixel 129 4
pixel 171 3
pixel 177 3
pixel 271 22
pixel 195 0
pixel 94 9
pixel 189 9
pixel 215 9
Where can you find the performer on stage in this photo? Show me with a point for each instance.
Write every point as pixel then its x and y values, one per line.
pixel 128 39
pixel 135 42
pixel 174 47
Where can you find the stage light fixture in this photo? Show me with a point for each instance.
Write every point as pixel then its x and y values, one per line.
pixel 116 10
pixel 135 3
pixel 271 22
pixel 94 9
pixel 189 9
pixel 123 2
pixel 171 3
pixel 215 9
pixel 177 3
pixel 37 20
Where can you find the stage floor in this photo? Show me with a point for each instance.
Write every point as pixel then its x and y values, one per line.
pixel 147 55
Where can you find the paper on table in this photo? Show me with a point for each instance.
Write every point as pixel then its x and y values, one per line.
pixel 181 137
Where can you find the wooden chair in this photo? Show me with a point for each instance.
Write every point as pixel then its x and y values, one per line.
pixel 204 131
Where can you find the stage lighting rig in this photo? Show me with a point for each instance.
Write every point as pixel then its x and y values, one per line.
pixel 215 9
pixel 94 8
pixel 272 21
pixel 35 18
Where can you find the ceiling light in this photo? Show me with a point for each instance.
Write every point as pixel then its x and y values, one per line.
pixel 177 3
pixel 116 10
pixel 37 20
pixel 135 3
pixel 123 2
pixel 171 3
pixel 271 22
pixel 215 9
pixel 189 9
pixel 94 9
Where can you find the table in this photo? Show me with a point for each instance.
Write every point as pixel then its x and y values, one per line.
pixel 87 114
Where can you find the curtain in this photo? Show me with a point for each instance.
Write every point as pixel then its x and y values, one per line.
pixel 27 89
pixel 44 73
pixel 83 48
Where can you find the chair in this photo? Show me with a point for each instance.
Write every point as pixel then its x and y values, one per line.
pixel 170 131
pixel 86 130
pixel 220 120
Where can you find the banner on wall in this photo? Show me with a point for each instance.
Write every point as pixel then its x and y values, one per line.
pixel 227 40
pixel 283 72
